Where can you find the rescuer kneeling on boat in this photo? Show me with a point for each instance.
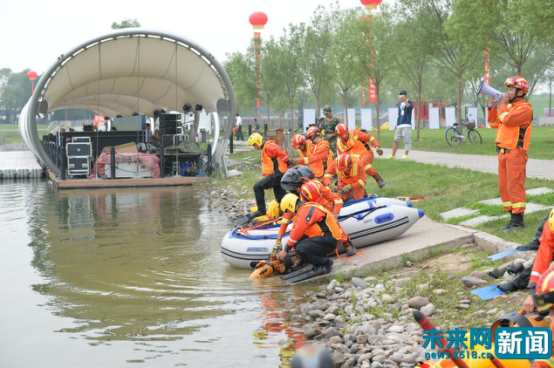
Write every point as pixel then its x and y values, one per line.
pixel 315 233
pixel 275 162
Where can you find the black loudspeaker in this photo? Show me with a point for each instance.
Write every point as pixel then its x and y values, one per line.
pixel 169 117
pixel 168 130
pixel 87 128
pixel 168 124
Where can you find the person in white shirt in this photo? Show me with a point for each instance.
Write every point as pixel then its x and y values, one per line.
pixel 238 126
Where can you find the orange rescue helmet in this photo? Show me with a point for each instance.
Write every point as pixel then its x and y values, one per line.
pixel 344 162
pixel 313 131
pixel 341 129
pixel 297 140
pixel 310 192
pixel 519 83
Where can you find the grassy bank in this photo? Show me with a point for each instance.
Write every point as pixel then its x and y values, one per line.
pixel 542 142
pixel 444 189
pixel 10 133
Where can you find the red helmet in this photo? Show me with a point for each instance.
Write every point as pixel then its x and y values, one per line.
pixel 341 129
pixel 310 192
pixel 297 140
pixel 313 132
pixel 544 297
pixel 519 83
pixel 344 162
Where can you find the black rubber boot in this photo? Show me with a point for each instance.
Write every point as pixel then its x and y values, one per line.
pixel 350 248
pixel 509 225
pixel 253 215
pixel 519 283
pixel 497 273
pixel 517 222
pixel 380 181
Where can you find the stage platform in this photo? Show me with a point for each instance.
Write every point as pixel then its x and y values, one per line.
pixel 124 183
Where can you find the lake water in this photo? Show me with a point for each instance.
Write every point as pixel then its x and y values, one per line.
pixel 112 278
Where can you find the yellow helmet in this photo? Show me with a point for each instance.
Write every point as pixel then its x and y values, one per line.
pixel 289 202
pixel 255 138
pixel 551 221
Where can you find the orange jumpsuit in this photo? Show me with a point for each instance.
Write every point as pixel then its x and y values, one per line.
pixel 314 234
pixel 514 123
pixel 356 177
pixel 358 144
pixel 316 157
pixel 542 262
pixel 329 200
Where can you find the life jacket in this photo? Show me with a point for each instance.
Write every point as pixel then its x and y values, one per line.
pixel 310 147
pixel 321 228
pixel 352 176
pixel 514 136
pixel 352 145
pixel 318 167
pixel 270 165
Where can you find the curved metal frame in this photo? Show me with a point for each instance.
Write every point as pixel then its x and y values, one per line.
pixel 28 116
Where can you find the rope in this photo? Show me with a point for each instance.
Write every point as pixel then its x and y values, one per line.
pixel 359 251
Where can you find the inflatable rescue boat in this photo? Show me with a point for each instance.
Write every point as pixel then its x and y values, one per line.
pixel 367 221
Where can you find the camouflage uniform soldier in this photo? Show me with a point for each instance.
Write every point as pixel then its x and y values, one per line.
pixel 328 127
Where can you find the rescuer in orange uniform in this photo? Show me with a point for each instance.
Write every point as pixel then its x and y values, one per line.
pixel 332 202
pixel 275 162
pixel 543 259
pixel 314 151
pixel 357 143
pixel 315 231
pixel 350 174
pixel 544 300
pixel 514 121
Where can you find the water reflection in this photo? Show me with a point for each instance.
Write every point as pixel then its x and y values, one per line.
pixel 138 274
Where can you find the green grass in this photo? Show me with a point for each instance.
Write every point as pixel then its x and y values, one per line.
pixel 444 189
pixel 521 236
pixel 542 142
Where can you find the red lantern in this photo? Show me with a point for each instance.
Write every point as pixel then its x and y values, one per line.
pixel 32 75
pixel 258 20
pixel 371 4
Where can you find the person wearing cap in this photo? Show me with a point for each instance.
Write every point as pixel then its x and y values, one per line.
pixel 328 128
pixel 514 121
pixel 403 129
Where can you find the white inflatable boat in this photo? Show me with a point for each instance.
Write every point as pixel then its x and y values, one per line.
pixel 367 221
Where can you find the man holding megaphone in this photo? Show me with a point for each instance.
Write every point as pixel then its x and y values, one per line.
pixel 514 121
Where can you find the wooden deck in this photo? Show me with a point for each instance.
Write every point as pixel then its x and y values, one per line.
pixel 123 183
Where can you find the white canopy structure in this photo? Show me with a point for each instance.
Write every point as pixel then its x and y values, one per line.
pixel 130 71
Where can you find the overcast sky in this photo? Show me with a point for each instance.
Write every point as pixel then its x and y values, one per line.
pixel 34 33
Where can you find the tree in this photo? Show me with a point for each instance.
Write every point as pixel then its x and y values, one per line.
pixel 454 46
pixel 344 53
pixel 240 69
pixel 15 91
pixel 315 64
pixel 288 56
pixel 127 23
pixel 269 76
pixel 410 36
pixel 375 51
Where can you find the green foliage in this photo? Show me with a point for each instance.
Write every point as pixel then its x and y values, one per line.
pixel 126 23
pixel 15 91
pixel 339 277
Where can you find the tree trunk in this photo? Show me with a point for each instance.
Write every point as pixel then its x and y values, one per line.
pixel 345 100
pixel 519 65
pixel 291 114
pixel 377 113
pixel 418 107
pixel 268 118
pixel 459 109
pixel 318 108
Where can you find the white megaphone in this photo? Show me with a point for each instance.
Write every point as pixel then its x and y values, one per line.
pixel 485 89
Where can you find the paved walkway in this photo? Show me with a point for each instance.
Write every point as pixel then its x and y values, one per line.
pixel 19 164
pixel 542 169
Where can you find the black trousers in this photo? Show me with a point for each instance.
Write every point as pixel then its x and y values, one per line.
pixel 523 278
pixel 239 135
pixel 314 250
pixel 272 181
